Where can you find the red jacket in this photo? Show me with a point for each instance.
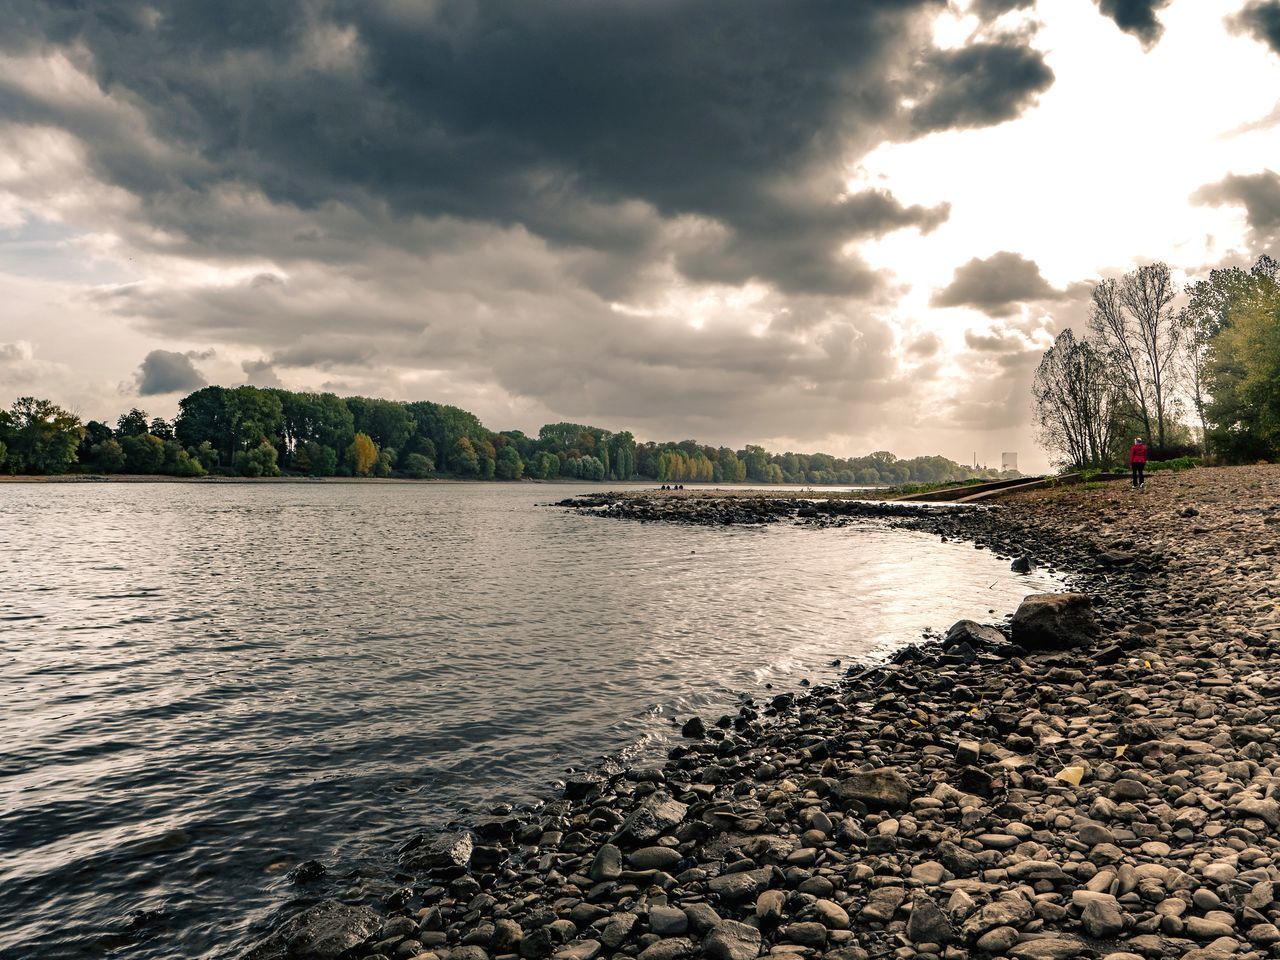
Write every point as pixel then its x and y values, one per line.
pixel 1137 454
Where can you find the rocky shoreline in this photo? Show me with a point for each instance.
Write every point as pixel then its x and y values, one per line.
pixel 1071 796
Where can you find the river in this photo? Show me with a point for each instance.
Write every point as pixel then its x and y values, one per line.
pixel 205 684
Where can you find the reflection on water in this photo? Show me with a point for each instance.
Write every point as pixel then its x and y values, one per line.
pixel 204 685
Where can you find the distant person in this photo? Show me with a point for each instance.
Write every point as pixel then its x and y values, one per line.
pixel 1138 462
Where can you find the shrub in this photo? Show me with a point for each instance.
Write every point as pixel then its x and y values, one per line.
pixel 1175 465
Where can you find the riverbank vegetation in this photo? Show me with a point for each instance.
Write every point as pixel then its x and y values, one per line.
pixel 1193 371
pixel 253 432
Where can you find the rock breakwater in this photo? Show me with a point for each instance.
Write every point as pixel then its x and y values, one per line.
pixel 971 798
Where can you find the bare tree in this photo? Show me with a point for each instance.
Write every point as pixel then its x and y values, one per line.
pixel 1075 401
pixel 1134 324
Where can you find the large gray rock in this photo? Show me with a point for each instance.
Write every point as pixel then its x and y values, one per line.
pixel 882 789
pixel 650 820
pixel 323 932
pixel 447 852
pixel 731 940
pixel 928 924
pixel 973 633
pixel 1054 621
pixel 745 885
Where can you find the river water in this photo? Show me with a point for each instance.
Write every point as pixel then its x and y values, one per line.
pixel 202 685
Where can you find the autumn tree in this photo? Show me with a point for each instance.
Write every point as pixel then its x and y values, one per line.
pixel 362 454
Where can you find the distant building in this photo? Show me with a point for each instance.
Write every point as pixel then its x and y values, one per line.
pixel 1009 461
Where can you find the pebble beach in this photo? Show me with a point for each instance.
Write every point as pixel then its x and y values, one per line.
pixel 1096 778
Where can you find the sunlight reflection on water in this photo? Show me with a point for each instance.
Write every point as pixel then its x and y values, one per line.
pixel 203 682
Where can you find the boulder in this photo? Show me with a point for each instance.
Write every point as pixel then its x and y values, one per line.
pixel 1054 621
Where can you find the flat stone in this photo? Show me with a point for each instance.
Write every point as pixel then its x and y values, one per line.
pixel 832 915
pixel 882 904
pixel 736 887
pixel 668 949
pixel 882 789
pixel 1048 948
pixel 654 858
pixel 668 921
pixel 325 931
pixel 731 940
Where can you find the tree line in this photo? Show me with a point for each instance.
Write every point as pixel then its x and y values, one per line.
pixel 1193 371
pixel 263 432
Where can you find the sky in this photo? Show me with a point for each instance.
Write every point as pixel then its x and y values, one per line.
pixel 836 225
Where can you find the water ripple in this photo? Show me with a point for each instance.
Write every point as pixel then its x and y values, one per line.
pixel 204 685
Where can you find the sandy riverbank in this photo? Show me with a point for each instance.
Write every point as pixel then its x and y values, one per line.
pixel 927 807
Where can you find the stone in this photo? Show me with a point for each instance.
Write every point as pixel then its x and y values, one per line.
pixel 607 864
pixel 1267 810
pixel 668 921
pixel 1126 789
pixel 1054 621
pixel 930 873
pixel 326 931
pixel 928 924
pixel 832 915
pixel 882 904
pixel 731 940
pixel 1008 911
pixel 746 885
pixel 1102 919
pixel 651 819
pixel 769 905
pixel 1204 929
pixel 694 729
pixel 668 949
pixel 506 936
pixel 582 950
pixel 805 934
pixel 1048 948
pixel 882 789
pixel 446 852
pixel 654 858
pixel 975 634
pixel 998 940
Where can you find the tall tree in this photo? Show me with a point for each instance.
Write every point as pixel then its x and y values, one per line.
pixel 1074 400
pixel 1133 322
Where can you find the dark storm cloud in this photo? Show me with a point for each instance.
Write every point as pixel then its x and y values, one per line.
pixel 548 115
pixel 996 285
pixel 981 84
pixel 1261 18
pixel 1137 17
pixel 163 371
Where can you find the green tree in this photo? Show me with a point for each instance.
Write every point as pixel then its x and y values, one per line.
pixel 204 417
pixel 1242 373
pixel 463 459
pixel 95 432
pixel 107 456
pixel 509 466
pixel 40 437
pixel 259 461
pixel 387 423
pixel 143 453
pixel 132 424
pixel 418 466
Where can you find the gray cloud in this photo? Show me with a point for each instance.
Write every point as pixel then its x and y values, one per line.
pixel 1258 193
pixel 981 84
pixel 505 204
pixel 163 371
pixel 989 10
pixel 554 116
pixel 996 285
pixel 1137 17
pixel 1261 19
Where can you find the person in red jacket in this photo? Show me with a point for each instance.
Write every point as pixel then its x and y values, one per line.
pixel 1138 462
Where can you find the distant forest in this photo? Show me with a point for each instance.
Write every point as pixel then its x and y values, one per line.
pixel 254 432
